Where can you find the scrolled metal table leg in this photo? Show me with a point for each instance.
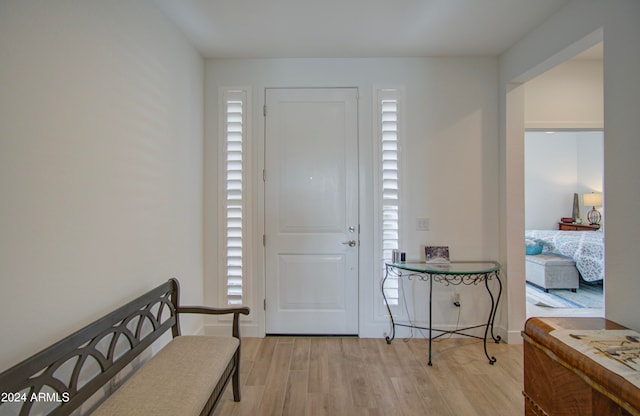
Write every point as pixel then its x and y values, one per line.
pixel 430 315
pixel 496 338
pixel 393 325
pixel 494 308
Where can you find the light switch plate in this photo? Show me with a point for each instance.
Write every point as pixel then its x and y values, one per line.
pixel 422 224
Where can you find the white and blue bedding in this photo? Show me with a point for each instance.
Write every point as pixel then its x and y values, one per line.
pixel 586 248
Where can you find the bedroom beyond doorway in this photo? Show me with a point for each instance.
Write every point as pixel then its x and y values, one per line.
pixel 560 167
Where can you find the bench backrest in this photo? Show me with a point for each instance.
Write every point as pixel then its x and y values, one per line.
pixel 60 378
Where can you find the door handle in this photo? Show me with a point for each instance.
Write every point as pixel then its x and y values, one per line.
pixel 350 243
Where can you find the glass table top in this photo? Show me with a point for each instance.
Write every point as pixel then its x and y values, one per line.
pixel 454 267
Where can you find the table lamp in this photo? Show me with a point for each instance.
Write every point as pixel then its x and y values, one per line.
pixel 594 199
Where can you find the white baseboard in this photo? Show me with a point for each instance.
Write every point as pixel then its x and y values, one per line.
pixel 514 337
pixel 380 330
pixel 224 328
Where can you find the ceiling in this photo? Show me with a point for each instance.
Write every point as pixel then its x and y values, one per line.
pixel 356 28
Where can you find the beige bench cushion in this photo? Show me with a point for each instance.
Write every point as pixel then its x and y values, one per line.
pixel 178 380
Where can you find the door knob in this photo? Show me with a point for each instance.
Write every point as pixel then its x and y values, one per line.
pixel 350 243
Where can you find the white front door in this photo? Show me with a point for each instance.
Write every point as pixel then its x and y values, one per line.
pixel 311 211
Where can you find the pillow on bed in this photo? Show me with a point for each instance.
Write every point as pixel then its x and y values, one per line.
pixel 532 247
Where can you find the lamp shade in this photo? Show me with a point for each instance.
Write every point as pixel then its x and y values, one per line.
pixel 593 199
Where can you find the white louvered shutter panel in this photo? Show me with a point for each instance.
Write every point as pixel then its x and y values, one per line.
pixel 234 135
pixel 390 186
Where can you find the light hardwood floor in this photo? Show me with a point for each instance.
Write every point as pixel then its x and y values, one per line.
pixel 352 376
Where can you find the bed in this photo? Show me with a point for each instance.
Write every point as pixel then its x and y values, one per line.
pixel 586 248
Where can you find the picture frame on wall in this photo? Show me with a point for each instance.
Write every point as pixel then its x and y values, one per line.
pixel 436 254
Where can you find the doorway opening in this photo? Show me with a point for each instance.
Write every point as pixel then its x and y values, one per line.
pixel 563 161
pixel 564 262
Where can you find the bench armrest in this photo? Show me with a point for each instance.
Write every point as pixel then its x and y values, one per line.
pixel 236 311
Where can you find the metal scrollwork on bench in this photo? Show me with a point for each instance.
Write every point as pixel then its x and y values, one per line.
pixel 76 373
pixel 72 370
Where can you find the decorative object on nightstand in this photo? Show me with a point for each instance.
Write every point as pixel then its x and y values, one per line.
pixel 576 209
pixel 594 199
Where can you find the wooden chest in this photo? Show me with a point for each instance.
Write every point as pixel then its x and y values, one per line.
pixel 558 380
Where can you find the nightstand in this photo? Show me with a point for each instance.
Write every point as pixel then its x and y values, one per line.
pixel 577 227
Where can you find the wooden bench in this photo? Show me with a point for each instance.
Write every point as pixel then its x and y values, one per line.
pixel 186 377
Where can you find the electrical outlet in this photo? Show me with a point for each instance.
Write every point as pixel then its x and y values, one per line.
pixel 456 299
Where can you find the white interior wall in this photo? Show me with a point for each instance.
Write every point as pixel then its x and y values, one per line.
pixel 591 162
pixel 101 126
pixel 568 96
pixel 450 172
pixel 574 28
pixel 557 165
pixel 551 176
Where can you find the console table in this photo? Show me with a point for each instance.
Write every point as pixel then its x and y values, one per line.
pixel 454 273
